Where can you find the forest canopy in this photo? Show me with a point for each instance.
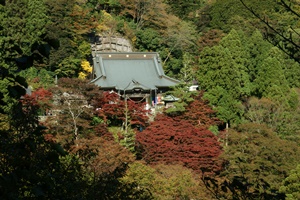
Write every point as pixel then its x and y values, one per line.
pixel 238 137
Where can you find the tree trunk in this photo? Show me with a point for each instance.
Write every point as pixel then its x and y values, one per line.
pixel 126 116
pixel 226 134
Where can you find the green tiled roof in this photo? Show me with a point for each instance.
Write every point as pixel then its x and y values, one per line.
pixel 170 98
pixel 128 71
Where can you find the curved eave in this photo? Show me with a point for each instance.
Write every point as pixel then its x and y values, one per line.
pixel 95 79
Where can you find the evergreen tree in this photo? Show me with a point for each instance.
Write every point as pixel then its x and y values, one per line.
pixel 239 54
pixel 224 82
pixel 229 109
pixel 270 81
pixel 292 72
pixel 217 68
pixel 258 49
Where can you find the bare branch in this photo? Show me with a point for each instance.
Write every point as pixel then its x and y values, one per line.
pixel 289 8
pixel 284 38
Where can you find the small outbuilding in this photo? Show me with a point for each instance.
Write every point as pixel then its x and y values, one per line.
pixel 135 75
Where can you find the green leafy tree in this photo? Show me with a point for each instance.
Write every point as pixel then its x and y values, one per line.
pixel 148 39
pixel 187 72
pixel 70 22
pixel 36 21
pixel 185 9
pixel 222 12
pixel 209 63
pixel 290 186
pixel 19 44
pixel 291 73
pixel 279 24
pixel 257 162
pixel 12 87
pixel 217 68
pixel 229 109
pixel 282 118
pixel 180 91
pixel 111 6
pixel 38 78
pixel 58 30
pixel 23 28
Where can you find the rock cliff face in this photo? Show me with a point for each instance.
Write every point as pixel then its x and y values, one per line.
pixel 111 44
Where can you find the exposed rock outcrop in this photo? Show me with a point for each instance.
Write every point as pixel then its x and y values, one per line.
pixel 110 44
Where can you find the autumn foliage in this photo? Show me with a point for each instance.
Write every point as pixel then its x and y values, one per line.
pixel 199 113
pixel 171 141
pixel 40 97
pixel 102 156
pixel 111 108
pixel 25 114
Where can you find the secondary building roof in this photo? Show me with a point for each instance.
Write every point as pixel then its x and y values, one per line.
pixel 130 71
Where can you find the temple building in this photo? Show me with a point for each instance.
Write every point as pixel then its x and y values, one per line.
pixel 138 76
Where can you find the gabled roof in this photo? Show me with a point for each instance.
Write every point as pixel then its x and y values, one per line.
pixel 129 71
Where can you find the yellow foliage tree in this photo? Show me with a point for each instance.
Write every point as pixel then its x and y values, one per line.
pixel 86 67
pixel 165 182
pixel 82 75
pixel 107 25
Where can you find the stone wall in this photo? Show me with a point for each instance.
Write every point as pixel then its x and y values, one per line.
pixel 110 44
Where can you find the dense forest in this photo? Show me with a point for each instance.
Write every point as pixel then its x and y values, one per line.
pixel 237 137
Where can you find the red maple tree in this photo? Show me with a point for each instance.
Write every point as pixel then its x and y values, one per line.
pixel 26 113
pixel 199 113
pixel 42 97
pixel 168 140
pixel 39 97
pixel 114 109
